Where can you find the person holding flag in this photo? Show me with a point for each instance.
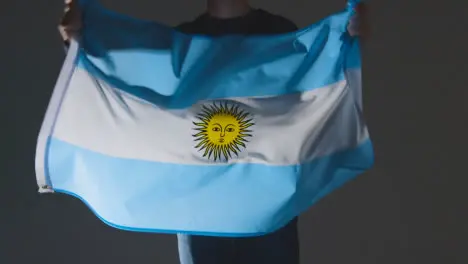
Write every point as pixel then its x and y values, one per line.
pixel 224 17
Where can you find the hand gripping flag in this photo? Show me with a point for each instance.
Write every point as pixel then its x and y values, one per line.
pixel 159 131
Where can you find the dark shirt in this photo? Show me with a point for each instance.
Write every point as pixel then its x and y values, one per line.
pixel 256 22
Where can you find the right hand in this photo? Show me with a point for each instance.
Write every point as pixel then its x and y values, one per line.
pixel 71 24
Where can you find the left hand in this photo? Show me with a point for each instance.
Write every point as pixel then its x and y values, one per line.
pixel 358 24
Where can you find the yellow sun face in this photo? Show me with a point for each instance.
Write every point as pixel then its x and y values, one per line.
pixel 222 131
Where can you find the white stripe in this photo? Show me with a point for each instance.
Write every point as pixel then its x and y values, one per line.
pixel 50 116
pixel 288 129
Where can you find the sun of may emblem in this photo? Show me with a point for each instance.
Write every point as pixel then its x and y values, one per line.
pixel 222 130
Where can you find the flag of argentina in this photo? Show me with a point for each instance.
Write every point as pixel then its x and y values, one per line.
pixel 157 131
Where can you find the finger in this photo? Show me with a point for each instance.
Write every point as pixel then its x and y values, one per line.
pixel 70 5
pixel 64 34
pixel 67 32
pixel 70 28
pixel 70 16
pixel 67 18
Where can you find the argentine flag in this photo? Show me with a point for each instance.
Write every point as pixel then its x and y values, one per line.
pixel 160 131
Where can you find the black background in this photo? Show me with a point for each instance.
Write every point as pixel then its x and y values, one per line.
pixel 410 208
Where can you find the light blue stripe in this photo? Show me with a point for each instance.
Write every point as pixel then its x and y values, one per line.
pixel 234 200
pixel 174 70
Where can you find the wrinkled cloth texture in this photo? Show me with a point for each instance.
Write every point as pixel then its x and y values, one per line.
pixel 231 136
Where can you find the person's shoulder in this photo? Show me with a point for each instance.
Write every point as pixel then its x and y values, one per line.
pixel 280 23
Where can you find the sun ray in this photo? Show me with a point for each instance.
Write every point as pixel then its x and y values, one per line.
pixel 225 152
pixel 202 143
